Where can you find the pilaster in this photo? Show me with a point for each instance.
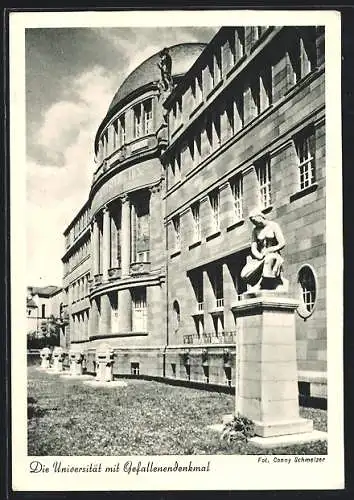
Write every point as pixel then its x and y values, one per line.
pixel 126 236
pixel 125 310
pixel 106 243
pixel 105 324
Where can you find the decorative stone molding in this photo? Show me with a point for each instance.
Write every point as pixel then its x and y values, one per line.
pixel 114 273
pixel 97 279
pixel 140 268
pixel 156 188
pixel 124 198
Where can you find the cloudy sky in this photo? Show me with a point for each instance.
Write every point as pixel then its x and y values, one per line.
pixel 71 77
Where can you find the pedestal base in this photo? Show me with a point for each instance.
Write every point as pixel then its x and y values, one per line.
pixel 288 439
pixel 267 388
pixel 298 426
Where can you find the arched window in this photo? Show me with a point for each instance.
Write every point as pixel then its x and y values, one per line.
pixel 308 291
pixel 177 315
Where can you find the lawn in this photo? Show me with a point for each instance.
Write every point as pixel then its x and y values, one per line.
pixel 66 417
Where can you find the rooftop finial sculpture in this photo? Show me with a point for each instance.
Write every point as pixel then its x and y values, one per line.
pixel 263 270
pixel 165 66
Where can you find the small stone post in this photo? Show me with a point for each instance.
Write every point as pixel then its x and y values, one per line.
pixel 104 363
pixel 58 358
pixel 76 358
pixel 45 355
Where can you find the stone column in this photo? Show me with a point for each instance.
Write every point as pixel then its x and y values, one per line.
pixel 229 298
pixel 95 247
pixel 125 310
pixel 125 230
pixel 106 243
pixel 94 319
pixel 105 324
pixel 209 303
pixel 268 380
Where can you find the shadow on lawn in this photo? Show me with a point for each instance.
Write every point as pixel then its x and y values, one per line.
pixel 34 410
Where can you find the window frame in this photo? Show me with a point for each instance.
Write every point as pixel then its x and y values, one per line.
pixel 214 196
pixel 305 141
pixel 263 166
pixel 195 210
pixel 139 309
pixel 237 196
pixel 176 223
pixel 303 310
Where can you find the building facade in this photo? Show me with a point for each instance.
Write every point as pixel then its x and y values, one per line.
pixel 42 303
pixel 153 260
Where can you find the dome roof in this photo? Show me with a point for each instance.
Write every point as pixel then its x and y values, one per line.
pixel 183 56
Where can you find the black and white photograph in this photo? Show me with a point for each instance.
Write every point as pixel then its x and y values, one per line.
pixel 172 247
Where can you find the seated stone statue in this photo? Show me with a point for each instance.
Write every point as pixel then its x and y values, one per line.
pixel 263 269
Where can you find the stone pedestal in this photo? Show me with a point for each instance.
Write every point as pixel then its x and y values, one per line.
pixel 76 360
pixel 268 383
pixel 45 355
pixel 58 358
pixel 104 364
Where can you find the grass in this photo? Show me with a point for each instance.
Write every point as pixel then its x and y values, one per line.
pixel 66 417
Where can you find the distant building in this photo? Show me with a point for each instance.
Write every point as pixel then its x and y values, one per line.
pixel 42 303
pixel 152 261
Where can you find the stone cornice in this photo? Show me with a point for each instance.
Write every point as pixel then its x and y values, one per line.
pixel 264 300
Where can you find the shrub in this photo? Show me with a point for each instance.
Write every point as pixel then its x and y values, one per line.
pixel 238 429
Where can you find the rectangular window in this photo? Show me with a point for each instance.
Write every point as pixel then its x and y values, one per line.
pixel 134 368
pixel 173 369
pixel 177 113
pixel 141 229
pixel 217 71
pixel 305 150
pixel 139 312
pixel 236 185
pixel 196 221
pixel 177 231
pixel 215 130
pixel 147 109
pixel 239 44
pixel 265 89
pixel 176 168
pixel 122 134
pixel 302 57
pixel 197 91
pixel 196 279
pixel 115 135
pixel 264 182
pixel 137 121
pixel 261 30
pixel 185 157
pixel 196 150
pixel 43 310
pixel 216 279
pixel 214 199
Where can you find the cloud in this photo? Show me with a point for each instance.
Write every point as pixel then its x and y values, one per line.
pixel 61 136
pixel 57 189
pixel 86 100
